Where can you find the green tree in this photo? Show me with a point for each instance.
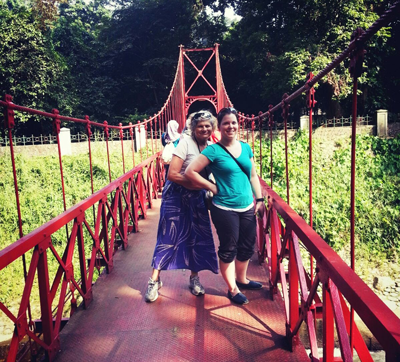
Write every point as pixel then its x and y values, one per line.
pixel 87 88
pixel 277 43
pixel 28 65
pixel 143 48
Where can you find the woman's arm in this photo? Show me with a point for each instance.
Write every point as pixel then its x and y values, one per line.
pixel 193 174
pixel 256 187
pixel 174 175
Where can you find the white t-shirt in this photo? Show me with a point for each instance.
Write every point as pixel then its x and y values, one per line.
pixel 187 150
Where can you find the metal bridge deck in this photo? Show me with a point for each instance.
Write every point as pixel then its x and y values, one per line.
pixel 120 326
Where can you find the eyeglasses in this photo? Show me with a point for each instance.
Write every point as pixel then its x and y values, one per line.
pixel 203 114
pixel 228 109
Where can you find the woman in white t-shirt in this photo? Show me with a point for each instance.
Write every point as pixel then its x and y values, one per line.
pixel 184 237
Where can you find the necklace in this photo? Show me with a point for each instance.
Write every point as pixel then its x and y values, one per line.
pixel 198 146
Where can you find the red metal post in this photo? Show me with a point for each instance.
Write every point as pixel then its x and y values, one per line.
pixel 271 122
pixel 89 133
pixel 45 302
pixel 285 113
pixel 56 130
pixel 132 144
pixel 356 64
pixel 151 133
pixel 107 134
pixel 328 324
pixel 9 124
pixel 121 137
pixel 145 139
pixel 293 291
pixel 310 105
pixel 252 130
pixel 140 141
pixel 260 124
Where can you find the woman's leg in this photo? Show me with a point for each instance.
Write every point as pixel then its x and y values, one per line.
pixel 155 275
pixel 227 226
pixel 241 271
pixel 228 273
pixel 246 244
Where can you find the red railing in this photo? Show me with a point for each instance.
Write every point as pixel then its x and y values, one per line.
pixel 118 208
pixel 281 231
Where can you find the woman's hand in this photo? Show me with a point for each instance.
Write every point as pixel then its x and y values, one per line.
pixel 259 209
pixel 213 188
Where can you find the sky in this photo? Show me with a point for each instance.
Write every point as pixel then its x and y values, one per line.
pixel 229 15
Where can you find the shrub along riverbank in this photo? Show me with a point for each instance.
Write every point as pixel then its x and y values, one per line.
pixel 377 201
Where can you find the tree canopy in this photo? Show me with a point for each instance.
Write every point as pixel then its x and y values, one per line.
pixel 116 60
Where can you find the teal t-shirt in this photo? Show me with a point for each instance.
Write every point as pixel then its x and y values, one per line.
pixel 234 189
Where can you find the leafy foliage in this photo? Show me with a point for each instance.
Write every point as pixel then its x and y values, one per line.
pixel 377 208
pixel 28 65
pixel 277 43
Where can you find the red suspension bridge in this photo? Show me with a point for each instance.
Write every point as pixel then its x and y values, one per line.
pixel 185 327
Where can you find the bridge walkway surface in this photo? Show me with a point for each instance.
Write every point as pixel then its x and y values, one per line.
pixel 120 326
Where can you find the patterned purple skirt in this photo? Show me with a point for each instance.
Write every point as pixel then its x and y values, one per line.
pixel 184 237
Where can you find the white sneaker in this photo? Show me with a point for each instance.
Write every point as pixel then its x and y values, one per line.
pixel 152 290
pixel 195 286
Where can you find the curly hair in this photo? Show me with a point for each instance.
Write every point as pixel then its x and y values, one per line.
pixel 202 116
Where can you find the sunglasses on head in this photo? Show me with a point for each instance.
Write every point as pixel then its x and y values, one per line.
pixel 203 114
pixel 228 109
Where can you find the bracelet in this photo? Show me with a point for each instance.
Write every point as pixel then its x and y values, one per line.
pixel 260 199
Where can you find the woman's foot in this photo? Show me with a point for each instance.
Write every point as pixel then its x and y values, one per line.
pixel 152 290
pixel 238 298
pixel 249 285
pixel 195 286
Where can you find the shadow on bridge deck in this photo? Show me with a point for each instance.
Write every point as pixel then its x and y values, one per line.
pixel 120 326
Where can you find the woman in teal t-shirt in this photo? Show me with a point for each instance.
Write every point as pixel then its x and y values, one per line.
pixel 233 211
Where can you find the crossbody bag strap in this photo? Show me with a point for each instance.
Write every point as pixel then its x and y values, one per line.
pixel 230 154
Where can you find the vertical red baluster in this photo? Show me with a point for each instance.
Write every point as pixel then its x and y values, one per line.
pixel 328 324
pixel 293 292
pixel 140 141
pixel 89 133
pixel 107 134
pixel 285 112
pixel 252 130
pixel 145 139
pixel 310 105
pixel 121 137
pixel 156 127
pixel 270 121
pixel 247 127
pixel 260 125
pixel 151 132
pixel 9 124
pixel 355 68
pixel 240 120
pixel 133 146
pixel 56 130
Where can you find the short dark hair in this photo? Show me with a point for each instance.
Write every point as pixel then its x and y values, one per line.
pixel 224 111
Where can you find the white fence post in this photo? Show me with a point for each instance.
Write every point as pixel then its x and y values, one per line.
pixel 382 123
pixel 142 135
pixel 304 122
pixel 65 141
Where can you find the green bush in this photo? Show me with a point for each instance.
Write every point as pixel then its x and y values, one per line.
pixel 377 200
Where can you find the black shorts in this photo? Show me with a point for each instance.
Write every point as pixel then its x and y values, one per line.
pixel 237 233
